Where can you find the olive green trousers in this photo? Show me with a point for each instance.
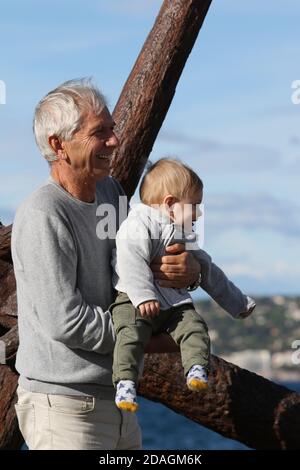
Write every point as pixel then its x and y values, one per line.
pixel 133 331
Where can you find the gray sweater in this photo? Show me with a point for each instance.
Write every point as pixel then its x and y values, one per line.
pixel 145 234
pixel 64 288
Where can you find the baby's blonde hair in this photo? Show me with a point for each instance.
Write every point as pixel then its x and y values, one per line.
pixel 168 176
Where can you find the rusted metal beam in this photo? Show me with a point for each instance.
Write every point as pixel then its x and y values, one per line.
pixel 151 85
pixel 5 236
pixel 10 436
pixel 238 404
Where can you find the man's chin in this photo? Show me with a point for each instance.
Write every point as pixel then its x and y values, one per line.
pixel 100 173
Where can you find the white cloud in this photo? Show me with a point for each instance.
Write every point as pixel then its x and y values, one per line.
pixel 252 212
pixel 217 156
pixel 277 269
pixel 240 269
pixel 258 7
pixel 65 45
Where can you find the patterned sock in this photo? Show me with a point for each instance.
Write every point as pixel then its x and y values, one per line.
pixel 197 378
pixel 126 396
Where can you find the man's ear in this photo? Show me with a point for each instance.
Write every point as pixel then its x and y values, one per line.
pixel 57 147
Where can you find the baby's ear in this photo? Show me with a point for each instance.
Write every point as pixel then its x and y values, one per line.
pixel 169 201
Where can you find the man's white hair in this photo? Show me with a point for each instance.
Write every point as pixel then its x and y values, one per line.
pixel 61 112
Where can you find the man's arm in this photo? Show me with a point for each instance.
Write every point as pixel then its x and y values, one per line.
pixel 45 263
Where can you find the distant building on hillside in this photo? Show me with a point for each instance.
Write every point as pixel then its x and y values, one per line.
pixel 258 361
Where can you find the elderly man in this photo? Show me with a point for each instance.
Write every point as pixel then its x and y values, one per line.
pixel 64 287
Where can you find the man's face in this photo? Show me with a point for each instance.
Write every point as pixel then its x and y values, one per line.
pixel 89 152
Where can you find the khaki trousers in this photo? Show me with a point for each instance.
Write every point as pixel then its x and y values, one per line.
pixel 61 422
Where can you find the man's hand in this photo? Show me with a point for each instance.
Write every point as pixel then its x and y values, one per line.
pixel 149 309
pixel 178 269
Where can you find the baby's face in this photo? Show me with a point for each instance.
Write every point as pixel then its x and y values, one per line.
pixel 186 211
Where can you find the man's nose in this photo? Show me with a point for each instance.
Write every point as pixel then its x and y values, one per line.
pixel 112 141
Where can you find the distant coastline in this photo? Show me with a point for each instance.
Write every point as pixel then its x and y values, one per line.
pixel 264 343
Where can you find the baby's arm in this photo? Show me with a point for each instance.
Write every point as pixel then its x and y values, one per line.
pixel 132 263
pixel 221 289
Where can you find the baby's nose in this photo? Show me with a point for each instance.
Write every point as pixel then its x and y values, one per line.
pixel 198 212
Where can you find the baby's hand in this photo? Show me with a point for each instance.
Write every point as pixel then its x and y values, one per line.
pixel 149 309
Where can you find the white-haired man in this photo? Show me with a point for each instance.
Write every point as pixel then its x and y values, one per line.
pixel 64 287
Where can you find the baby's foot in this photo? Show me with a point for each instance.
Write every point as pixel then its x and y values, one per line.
pixel 197 378
pixel 126 396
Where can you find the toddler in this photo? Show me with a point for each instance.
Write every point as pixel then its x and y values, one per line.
pixel 171 193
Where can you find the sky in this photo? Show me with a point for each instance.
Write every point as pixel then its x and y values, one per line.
pixel 232 119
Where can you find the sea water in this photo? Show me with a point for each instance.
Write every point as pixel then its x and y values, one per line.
pixel 164 429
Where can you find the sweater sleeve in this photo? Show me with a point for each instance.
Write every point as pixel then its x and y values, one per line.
pixel 132 262
pixel 221 289
pixel 45 263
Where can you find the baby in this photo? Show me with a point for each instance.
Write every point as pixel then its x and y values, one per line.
pixel 171 193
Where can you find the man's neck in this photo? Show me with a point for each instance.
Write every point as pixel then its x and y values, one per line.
pixel 80 187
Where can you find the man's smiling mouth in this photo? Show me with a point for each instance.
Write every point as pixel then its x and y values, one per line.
pixel 103 157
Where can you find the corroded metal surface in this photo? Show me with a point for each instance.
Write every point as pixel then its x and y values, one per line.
pixel 5 235
pixel 10 437
pixel 9 433
pixel 238 404
pixel 149 90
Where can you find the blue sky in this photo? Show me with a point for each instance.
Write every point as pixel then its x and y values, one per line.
pixel 232 118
